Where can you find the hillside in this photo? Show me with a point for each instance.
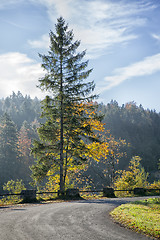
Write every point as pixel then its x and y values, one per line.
pixel 20 117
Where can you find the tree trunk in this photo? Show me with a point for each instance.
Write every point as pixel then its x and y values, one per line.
pixel 62 187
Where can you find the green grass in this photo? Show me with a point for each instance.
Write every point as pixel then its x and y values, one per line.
pixel 90 196
pixel 141 216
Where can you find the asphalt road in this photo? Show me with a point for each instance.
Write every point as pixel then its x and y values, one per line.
pixel 78 220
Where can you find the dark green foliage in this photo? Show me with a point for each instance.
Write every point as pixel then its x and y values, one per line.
pixel 20 108
pixel 8 149
pixel 18 126
pixel 140 128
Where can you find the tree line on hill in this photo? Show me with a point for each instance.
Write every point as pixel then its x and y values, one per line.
pixel 140 128
pixel 20 118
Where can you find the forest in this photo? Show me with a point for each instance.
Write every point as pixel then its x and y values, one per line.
pixel 20 118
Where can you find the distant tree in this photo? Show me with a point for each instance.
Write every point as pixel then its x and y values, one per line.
pixel 8 149
pixel 67 110
pixel 103 163
pixel 24 143
pixel 26 134
pixel 135 176
pixel 140 128
pixel 20 108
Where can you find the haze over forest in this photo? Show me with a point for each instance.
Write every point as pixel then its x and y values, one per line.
pixel 20 117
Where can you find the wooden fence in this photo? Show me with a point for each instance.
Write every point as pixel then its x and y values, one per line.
pixel 30 195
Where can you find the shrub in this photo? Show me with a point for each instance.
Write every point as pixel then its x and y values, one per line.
pixel 135 177
pixel 14 187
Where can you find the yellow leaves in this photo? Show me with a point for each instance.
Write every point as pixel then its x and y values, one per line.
pixel 85 124
pixel 95 124
pixel 155 185
pixel 98 150
pixel 88 110
pixel 53 183
pixel 54 168
pixel 72 168
pixel 50 154
pixel 109 147
pixel 134 177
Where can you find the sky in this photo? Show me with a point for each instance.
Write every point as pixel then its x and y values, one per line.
pixel 122 39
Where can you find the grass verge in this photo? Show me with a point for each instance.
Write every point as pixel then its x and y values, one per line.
pixel 91 196
pixel 141 216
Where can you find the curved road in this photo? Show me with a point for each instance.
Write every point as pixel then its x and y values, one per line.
pixel 78 220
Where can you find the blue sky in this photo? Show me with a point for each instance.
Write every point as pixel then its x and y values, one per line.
pixel 122 38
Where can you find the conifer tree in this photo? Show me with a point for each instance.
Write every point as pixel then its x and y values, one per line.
pixel 67 109
pixel 9 164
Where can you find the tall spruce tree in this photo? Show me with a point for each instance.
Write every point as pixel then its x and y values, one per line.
pixel 68 109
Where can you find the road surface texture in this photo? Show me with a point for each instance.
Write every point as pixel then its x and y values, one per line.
pixel 76 220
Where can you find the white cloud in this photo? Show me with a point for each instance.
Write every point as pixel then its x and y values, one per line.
pixel 148 66
pixel 99 24
pixel 42 43
pixel 155 36
pixel 19 73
